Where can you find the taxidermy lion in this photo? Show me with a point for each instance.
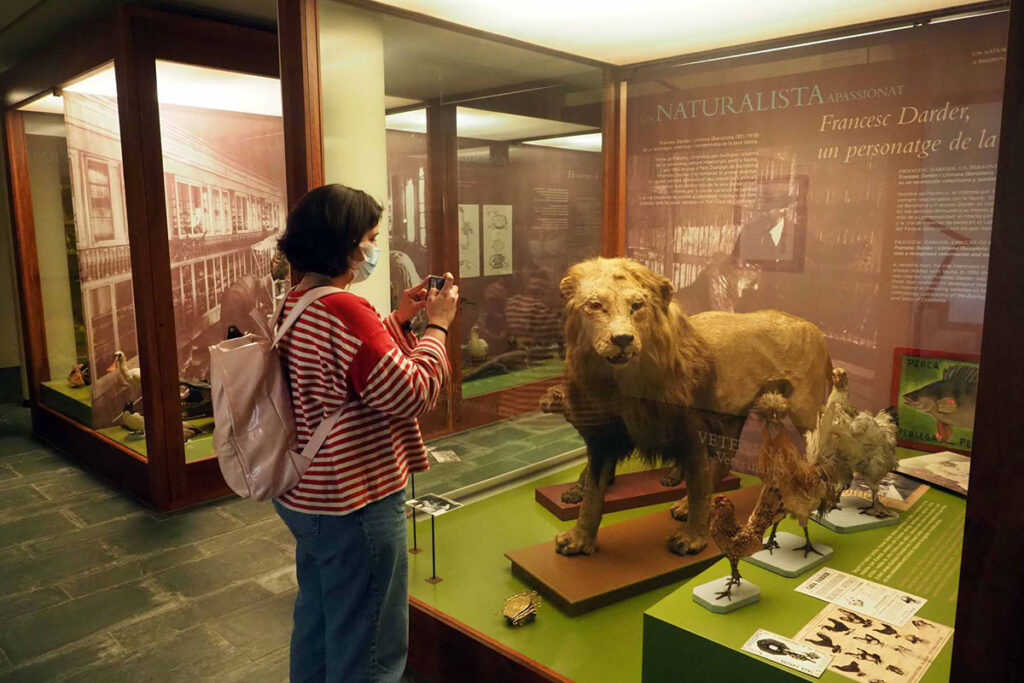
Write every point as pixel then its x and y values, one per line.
pixel 644 377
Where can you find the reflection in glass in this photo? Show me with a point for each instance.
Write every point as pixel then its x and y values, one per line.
pixel 223 160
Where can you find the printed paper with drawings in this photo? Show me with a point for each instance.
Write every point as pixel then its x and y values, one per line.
pixel 867 597
pixel 867 649
pixel 781 650
pixel 497 239
pixel 469 240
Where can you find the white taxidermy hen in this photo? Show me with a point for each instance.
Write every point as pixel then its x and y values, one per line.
pixel 846 442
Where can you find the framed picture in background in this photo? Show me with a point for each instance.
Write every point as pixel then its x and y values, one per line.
pixel 935 394
pixel 773 231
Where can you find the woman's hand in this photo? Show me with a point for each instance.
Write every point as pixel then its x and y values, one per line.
pixel 443 304
pixel 411 301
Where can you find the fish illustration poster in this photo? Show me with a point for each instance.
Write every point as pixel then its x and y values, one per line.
pixel 935 397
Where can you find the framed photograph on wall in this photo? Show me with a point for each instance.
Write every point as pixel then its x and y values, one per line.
pixel 935 393
pixel 773 232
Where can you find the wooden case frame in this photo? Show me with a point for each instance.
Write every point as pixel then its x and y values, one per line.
pixel 132 39
pixel 991 595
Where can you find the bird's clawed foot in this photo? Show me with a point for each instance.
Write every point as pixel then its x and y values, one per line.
pixel 808 548
pixel 727 593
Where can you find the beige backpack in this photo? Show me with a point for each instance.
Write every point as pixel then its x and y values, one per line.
pixel 254 427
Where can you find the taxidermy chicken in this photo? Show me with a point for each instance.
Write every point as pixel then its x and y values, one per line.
pixel 131 420
pixel 736 541
pixel 132 377
pixel 846 442
pixel 783 468
pixel 477 347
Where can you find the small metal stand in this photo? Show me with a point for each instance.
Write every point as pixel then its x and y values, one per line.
pixel 434 578
pixel 415 549
pixel 434 506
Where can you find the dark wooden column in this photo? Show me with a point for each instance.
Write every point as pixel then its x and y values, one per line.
pixel 443 240
pixel 142 157
pixel 990 609
pixel 299 35
pixel 26 257
pixel 613 152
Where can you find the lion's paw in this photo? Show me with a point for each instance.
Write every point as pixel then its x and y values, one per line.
pixel 573 494
pixel 671 479
pixel 574 542
pixel 685 543
pixel 680 510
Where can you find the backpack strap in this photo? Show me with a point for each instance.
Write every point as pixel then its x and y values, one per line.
pixel 309 297
pixel 320 435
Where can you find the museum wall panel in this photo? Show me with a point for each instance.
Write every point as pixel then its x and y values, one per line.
pixel 851 185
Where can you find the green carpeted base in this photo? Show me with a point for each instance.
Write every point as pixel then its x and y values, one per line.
pixel 921 555
pixel 603 645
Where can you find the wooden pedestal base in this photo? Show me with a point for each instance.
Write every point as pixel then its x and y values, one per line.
pixel 631 557
pixel 629 491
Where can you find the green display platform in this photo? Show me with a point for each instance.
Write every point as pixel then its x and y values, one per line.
pixel 76 403
pixel 921 555
pixel 603 646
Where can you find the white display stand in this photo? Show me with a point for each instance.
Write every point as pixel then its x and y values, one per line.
pixel 742 595
pixel 850 517
pixel 786 560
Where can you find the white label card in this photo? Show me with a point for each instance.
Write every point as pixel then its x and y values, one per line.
pixel 787 652
pixel 866 597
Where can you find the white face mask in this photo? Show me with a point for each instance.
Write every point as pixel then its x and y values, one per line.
pixel 362 270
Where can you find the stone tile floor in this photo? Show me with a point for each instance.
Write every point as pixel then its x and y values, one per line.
pixel 97 587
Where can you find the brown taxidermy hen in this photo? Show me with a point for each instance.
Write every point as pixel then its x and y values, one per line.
pixel 783 468
pixel 736 541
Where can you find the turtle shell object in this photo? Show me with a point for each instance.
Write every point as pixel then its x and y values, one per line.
pixel 521 608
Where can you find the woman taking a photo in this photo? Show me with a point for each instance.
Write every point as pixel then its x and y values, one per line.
pixel 347 513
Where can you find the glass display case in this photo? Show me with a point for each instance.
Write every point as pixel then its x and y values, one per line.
pixel 845 178
pixel 828 216
pixel 145 230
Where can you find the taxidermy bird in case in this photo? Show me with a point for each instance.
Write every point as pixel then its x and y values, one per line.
pixel 131 377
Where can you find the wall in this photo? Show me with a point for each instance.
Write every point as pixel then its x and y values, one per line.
pixel 45 153
pixel 355 148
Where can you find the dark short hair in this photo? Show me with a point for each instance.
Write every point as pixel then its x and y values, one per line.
pixel 326 226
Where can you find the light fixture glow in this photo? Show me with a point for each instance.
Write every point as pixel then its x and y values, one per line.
pixel 588 142
pixel 640 30
pixel 486 125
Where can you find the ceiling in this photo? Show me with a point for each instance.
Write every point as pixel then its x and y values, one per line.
pixel 27 25
pixel 424 61
pixel 630 31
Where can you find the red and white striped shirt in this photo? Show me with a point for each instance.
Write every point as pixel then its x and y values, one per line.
pixel 339 352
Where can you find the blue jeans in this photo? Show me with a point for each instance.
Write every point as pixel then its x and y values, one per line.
pixel 352 611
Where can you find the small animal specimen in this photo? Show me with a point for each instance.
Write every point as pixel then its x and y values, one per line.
pixel 132 377
pixel 738 541
pixel 79 375
pixel 131 420
pixel 784 469
pixel 188 431
pixel 477 347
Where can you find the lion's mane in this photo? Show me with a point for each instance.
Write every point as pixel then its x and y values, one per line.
pixel 671 372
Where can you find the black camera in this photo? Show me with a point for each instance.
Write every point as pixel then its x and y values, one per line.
pixel 436 282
